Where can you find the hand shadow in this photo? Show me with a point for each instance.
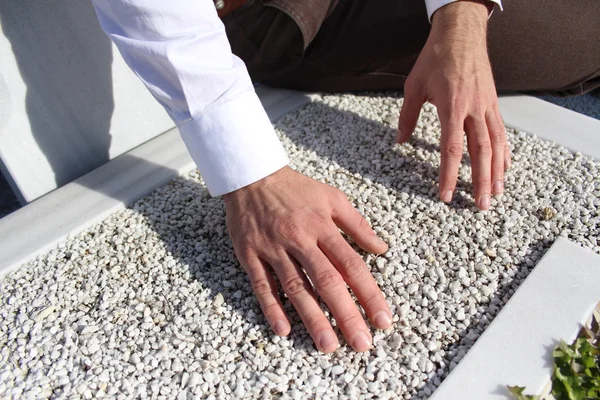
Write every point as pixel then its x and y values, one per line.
pixel 202 244
pixel 409 164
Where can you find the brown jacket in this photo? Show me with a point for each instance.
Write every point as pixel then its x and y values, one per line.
pixel 308 14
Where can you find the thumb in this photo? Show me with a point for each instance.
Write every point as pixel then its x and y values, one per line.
pixel 409 114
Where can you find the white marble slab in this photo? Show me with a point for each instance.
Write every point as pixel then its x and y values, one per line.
pixel 45 222
pixel 516 349
pixel 573 130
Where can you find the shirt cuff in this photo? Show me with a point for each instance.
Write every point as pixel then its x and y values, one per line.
pixel 233 144
pixel 434 5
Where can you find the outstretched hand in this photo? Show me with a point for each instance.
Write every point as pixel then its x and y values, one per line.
pixel 453 72
pixel 289 225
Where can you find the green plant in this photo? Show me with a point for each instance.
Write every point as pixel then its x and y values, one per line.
pixel 576 374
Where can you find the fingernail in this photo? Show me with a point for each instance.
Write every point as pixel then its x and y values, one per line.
pixel 280 328
pixel 376 238
pixel 361 341
pixel 484 202
pixel 507 163
pixel 380 241
pixel 498 187
pixel 328 342
pixel 399 136
pixel 447 196
pixel 382 320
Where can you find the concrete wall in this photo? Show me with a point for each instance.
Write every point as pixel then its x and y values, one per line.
pixel 68 102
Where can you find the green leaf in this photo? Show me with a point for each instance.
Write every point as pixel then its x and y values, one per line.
pixel 590 334
pixel 517 391
pixel 564 374
pixel 566 349
pixel 576 374
pixel 588 361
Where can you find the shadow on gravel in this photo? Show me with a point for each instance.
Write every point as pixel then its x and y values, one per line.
pixel 407 162
pixel 191 226
pixel 203 245
pixel 502 295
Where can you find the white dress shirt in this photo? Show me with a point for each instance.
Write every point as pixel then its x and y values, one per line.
pixel 434 5
pixel 179 49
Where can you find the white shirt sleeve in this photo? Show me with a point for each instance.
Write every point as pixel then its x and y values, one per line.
pixel 434 5
pixel 180 51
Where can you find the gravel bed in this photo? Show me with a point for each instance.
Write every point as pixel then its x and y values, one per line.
pixel 151 303
pixel 588 104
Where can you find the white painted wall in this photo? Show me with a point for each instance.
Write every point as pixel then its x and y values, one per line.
pixel 68 102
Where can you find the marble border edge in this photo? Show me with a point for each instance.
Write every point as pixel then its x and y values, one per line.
pixel 575 131
pixel 45 222
pixel 515 349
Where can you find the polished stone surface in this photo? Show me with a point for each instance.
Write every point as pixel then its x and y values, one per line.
pixel 516 349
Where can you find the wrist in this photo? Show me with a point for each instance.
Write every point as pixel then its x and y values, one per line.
pixel 460 24
pixel 469 15
pixel 257 186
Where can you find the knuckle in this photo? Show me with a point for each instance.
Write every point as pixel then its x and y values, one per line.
pixel 457 102
pixel 498 137
pixel 459 109
pixel 294 286
pixel 354 268
pixel 318 220
pixel 262 287
pixel 244 250
pixel 350 319
pixel 288 229
pixel 477 110
pixel 484 182
pixel 484 149
pixel 453 150
pixel 373 301
pixel 328 280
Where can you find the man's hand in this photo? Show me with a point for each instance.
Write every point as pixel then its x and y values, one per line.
pixel 287 224
pixel 453 72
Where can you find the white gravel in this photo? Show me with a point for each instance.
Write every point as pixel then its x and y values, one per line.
pixel 151 303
